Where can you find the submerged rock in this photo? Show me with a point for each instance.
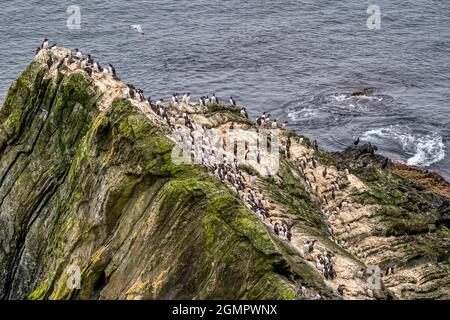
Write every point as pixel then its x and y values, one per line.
pixel 87 183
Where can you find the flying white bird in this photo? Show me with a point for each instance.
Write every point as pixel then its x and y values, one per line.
pixel 138 28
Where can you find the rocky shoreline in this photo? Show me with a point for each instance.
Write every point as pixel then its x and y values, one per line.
pixel 87 179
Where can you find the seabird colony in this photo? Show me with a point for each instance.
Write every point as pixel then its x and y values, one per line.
pixel 320 182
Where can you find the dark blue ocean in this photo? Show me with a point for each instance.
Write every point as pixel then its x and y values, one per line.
pixel 296 59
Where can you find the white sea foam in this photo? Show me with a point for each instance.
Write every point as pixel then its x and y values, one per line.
pixel 341 97
pixel 303 114
pixel 422 149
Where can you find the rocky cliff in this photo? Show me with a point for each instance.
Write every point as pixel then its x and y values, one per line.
pixel 87 180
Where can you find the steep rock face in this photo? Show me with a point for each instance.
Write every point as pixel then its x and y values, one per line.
pixel 99 191
pixel 406 227
pixel 87 180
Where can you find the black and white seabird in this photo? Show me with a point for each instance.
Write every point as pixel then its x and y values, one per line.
pixel 315 145
pixel 84 63
pixel 340 289
pixel 175 98
pixel 131 91
pixel 49 62
pixel 98 67
pixel 89 59
pixel 244 113
pixel 274 124
pixel 63 62
pixel 385 163
pixel 308 247
pixel 232 101
pixel 365 93
pixel 77 54
pixel 140 93
pixel 356 142
pixel 389 270
pixel 88 70
pixel 112 70
pixel 214 99
pixel 44 44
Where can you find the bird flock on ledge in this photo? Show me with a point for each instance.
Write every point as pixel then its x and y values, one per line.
pixel 321 181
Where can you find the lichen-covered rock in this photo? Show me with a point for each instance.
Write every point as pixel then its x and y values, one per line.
pixel 87 181
pixel 99 191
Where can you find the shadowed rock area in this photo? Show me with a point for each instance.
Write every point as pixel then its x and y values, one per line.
pixel 87 179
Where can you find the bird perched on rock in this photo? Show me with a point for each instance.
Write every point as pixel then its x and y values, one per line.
pixel 314 162
pixel 89 59
pixel 88 71
pixel 385 163
pixel 131 91
pixel 244 113
pixel 371 149
pixel 188 97
pixel 232 101
pixel 175 99
pixel 77 54
pixel 341 289
pixel 274 124
pixel 63 62
pixel 112 70
pixel 49 62
pixel 309 246
pixel 356 141
pixel 315 145
pixel 389 270
pixel 214 99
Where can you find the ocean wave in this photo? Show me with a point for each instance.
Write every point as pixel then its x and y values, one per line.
pixel 422 149
pixel 303 114
pixel 344 98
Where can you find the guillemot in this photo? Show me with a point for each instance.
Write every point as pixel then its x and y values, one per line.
pixel 44 44
pixel 214 99
pixel 77 54
pixel 112 70
pixel 88 71
pixel 49 62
